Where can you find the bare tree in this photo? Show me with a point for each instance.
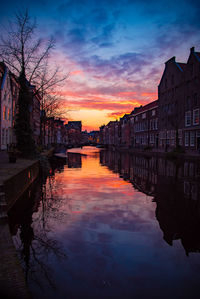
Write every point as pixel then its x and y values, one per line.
pixel 21 50
pixel 27 56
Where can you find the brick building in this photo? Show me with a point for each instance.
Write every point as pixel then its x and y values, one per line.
pixel 179 104
pixel 146 126
pixel 191 105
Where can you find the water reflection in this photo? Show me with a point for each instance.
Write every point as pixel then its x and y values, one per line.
pixel 93 228
pixel 29 224
pixel 175 187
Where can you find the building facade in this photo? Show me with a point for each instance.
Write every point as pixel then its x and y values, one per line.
pixel 6 125
pixel 179 104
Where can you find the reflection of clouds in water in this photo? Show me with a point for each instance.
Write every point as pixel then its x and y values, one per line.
pixel 109 231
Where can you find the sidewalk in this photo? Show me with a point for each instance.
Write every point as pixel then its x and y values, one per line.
pixel 7 170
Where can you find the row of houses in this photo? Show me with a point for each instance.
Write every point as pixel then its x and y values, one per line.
pixel 47 131
pixel 172 121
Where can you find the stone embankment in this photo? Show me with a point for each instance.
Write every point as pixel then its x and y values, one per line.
pixel 15 178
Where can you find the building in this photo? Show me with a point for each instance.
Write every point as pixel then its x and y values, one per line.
pixel 74 132
pixel 145 132
pixel 124 133
pixel 75 125
pixel 170 105
pixel 6 122
pixel 179 104
pixel 191 106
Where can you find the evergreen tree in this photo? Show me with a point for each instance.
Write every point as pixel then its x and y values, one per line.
pixel 23 131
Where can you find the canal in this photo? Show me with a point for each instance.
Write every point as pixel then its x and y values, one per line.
pixel 111 225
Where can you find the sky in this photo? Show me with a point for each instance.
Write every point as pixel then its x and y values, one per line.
pixel 113 50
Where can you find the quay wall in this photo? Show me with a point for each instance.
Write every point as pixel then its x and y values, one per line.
pixel 15 186
pixel 15 179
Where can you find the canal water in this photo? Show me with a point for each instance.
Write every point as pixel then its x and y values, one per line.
pixel 111 225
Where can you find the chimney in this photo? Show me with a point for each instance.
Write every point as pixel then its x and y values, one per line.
pixel 192 50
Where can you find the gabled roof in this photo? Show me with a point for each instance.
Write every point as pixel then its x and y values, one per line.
pixel 172 61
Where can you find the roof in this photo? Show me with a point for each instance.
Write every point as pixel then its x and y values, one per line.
pixel 180 65
pixel 74 122
pixel 147 107
pixel 197 55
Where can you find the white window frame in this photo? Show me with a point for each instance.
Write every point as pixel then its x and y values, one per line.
pixel 186 138
pixel 192 138
pixel 188 118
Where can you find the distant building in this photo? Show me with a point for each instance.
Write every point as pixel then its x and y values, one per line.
pixel 74 132
pixel 145 126
pixel 94 136
pixel 75 125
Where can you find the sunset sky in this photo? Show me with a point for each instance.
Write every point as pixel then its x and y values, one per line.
pixel 114 50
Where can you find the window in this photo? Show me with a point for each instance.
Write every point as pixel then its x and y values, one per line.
pixel 4 113
pixel 6 136
pixel 195 100
pixel 9 116
pixel 186 138
pixel 196 117
pixel 152 139
pixel 3 136
pixel 192 138
pixel 144 115
pixel 153 112
pixel 173 134
pixel 156 124
pixel 151 124
pixel 188 118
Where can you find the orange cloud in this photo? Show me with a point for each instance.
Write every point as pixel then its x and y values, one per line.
pixel 117 114
pixel 149 94
pixel 103 104
pixel 126 93
pixel 76 72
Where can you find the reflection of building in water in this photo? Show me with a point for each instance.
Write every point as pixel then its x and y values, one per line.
pixel 175 186
pixel 140 171
pixel 74 160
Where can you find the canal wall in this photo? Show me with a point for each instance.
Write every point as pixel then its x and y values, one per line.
pixel 15 186
pixel 15 178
